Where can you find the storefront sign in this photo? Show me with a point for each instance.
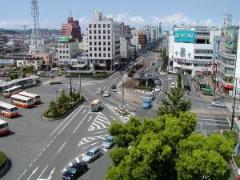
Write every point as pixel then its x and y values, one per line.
pixel 185 36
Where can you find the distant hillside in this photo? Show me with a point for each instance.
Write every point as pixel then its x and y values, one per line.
pixel 28 31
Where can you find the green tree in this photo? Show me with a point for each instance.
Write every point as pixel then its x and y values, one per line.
pixel 174 103
pixel 53 109
pixel 202 157
pixel 63 102
pixel 179 81
pixel 165 60
pixel 13 76
pixel 118 155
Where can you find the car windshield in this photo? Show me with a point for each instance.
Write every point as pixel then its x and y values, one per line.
pixel 72 170
pixel 109 140
pixel 89 153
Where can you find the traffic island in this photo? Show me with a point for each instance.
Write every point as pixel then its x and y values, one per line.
pixel 63 106
pixel 5 164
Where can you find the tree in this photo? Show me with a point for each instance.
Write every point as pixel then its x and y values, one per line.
pixel 148 149
pixel 165 59
pixel 202 157
pixel 179 81
pixel 63 102
pixel 53 109
pixel 13 76
pixel 174 103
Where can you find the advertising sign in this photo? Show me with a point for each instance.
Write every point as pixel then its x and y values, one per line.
pixel 64 39
pixel 231 35
pixel 185 36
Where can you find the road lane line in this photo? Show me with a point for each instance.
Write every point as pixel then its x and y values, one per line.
pixel 35 159
pixel 43 171
pixel 89 145
pixel 44 150
pixel 34 171
pixel 64 121
pixel 22 174
pixel 62 147
pixel 69 121
pixel 51 173
pixel 90 118
pixel 30 165
pixel 100 132
pixel 217 120
pixel 80 123
pixel 228 121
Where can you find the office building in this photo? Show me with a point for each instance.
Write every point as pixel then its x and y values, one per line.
pixel 103 43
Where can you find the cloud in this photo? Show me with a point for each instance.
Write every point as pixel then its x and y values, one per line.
pixel 137 20
pixel 179 18
pixel 14 24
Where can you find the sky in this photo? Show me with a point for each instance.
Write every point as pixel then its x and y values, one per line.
pixel 16 13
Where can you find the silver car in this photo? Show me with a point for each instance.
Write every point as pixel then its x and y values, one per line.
pixel 108 142
pixel 91 155
pixel 218 104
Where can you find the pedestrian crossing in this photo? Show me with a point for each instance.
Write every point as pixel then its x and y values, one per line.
pixel 100 122
pixel 115 110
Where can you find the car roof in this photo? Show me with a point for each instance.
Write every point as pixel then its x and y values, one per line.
pixel 94 149
pixel 78 164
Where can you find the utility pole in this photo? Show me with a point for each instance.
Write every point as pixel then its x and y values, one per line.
pixel 122 95
pixel 234 103
pixel 80 85
pixel 70 82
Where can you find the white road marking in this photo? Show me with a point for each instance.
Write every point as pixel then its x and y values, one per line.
pixel 80 123
pixel 22 174
pixel 51 173
pixel 35 159
pixel 69 121
pixel 100 132
pixel 43 171
pixel 44 150
pixel 214 124
pixel 62 147
pixel 85 140
pixel 217 120
pixel 89 118
pixel 77 160
pixel 89 145
pixel 113 118
pixel 64 121
pixel 228 121
pixel 30 165
pixel 34 171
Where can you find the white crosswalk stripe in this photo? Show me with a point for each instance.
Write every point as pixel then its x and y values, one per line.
pixel 116 112
pixel 86 140
pixel 100 122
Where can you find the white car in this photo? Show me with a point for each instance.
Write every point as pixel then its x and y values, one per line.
pixel 170 78
pixel 218 104
pixel 157 88
pixel 106 94
pixel 173 85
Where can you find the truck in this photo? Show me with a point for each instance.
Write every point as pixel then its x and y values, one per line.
pixel 147 102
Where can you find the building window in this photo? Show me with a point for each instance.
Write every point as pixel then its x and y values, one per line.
pixel 109 48
pixel 99 31
pixel 90 31
pixel 104 43
pixel 95 49
pixel 95 43
pixel 104 25
pixel 95 54
pixel 60 51
pixel 90 25
pixel 99 49
pixel 104 37
pixel 108 25
pixel 90 48
pixel 95 31
pixel 104 54
pixel 109 43
pixel 94 25
pixel 108 31
pixel 99 43
pixel 90 37
pixel 99 25
pixel 104 49
pixel 90 54
pixel 67 52
pixel 109 55
pixel 99 37
pixel 99 55
pixel 90 43
pixel 109 37
pixel 101 61
pixel 104 31
pixel 95 37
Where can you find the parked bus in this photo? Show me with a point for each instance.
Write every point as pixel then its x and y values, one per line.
pixel 11 91
pixel 8 110
pixel 36 98
pixel 22 101
pixel 4 130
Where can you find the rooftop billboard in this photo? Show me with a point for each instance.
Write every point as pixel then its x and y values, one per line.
pixel 64 39
pixel 185 36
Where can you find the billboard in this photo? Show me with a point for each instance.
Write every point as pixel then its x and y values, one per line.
pixel 231 34
pixel 185 36
pixel 64 39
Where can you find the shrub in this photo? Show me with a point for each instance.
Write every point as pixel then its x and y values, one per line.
pixel 3 158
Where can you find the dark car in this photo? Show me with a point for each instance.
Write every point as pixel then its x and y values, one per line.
pixel 75 171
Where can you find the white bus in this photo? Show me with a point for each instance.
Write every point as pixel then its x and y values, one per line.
pixel 22 101
pixel 4 130
pixel 8 110
pixel 36 98
pixel 13 90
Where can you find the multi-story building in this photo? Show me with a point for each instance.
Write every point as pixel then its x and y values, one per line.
pixel 2 43
pixel 103 42
pixel 71 28
pixel 226 55
pixel 142 40
pixel 191 49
